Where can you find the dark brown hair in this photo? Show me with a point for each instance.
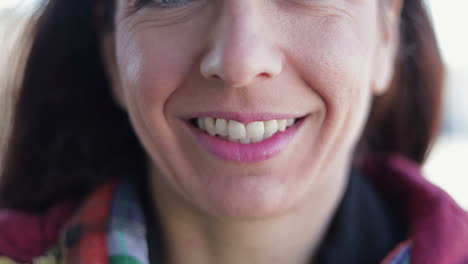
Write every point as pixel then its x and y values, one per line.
pixel 68 135
pixel 406 119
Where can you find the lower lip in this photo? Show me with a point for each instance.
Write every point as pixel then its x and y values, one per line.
pixel 247 153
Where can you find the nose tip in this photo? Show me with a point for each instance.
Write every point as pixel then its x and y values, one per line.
pixel 240 48
pixel 238 66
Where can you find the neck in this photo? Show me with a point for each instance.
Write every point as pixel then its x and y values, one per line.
pixel 293 238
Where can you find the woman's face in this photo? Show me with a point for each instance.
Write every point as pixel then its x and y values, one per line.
pixel 246 70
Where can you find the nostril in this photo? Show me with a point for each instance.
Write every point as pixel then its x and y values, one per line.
pixel 215 77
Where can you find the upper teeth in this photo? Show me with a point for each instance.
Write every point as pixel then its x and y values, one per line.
pixel 243 133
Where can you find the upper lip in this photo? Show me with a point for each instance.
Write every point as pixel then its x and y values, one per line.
pixel 245 117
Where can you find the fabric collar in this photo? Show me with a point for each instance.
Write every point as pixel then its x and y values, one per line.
pixel 365 227
pixel 438 226
pixel 110 228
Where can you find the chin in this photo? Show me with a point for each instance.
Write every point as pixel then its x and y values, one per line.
pixel 252 198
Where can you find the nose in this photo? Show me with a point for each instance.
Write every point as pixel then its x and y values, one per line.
pixel 241 48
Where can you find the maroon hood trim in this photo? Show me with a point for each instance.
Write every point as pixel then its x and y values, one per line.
pixel 438 226
pixel 24 236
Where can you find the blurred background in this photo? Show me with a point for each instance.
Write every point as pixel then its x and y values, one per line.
pixel 447 165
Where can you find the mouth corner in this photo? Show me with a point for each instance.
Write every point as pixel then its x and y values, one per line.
pixel 193 121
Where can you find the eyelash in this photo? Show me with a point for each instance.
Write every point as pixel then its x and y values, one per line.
pixel 154 3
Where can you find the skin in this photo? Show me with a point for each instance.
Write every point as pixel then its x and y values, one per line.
pixel 324 59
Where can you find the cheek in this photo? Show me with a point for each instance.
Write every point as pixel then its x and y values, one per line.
pixel 149 71
pixel 153 62
pixel 346 50
pixel 335 58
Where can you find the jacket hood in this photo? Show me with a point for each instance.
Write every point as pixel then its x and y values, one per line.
pixel 24 236
pixel 438 226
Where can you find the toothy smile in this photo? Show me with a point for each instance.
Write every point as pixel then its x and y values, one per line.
pixel 237 132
